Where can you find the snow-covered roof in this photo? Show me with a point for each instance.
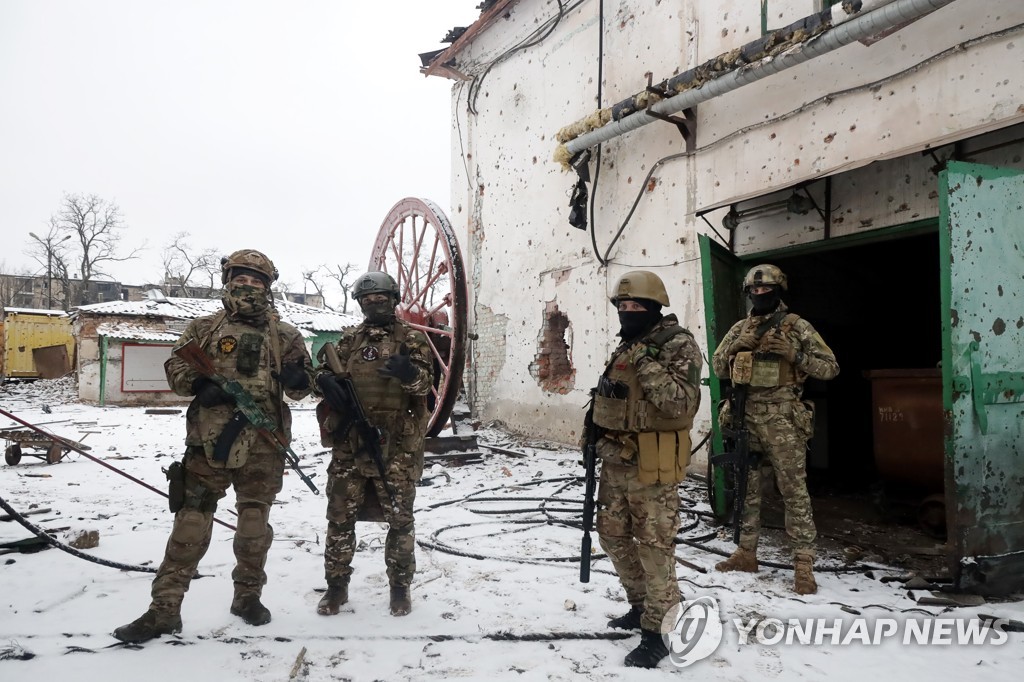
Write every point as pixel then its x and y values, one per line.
pixel 134 332
pixel 304 317
pixel 35 311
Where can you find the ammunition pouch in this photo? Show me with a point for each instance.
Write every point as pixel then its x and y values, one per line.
pixel 663 456
pixel 175 474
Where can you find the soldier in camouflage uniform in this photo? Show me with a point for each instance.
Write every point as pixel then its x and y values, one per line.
pixel 391 369
pixel 246 342
pixel 643 408
pixel 773 352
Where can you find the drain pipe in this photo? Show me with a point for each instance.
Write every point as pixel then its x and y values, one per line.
pixel 870 23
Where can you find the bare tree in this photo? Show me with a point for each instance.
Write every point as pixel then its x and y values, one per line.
pixel 341 274
pixel 190 272
pixel 97 225
pixel 316 279
pixel 52 255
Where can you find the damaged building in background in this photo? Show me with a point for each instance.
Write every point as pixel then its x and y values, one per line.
pixel 872 149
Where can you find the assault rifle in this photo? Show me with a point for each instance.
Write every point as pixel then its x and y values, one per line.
pixel 590 436
pixel 370 435
pixel 737 456
pixel 248 411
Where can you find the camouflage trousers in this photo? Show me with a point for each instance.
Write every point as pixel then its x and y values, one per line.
pixel 636 526
pixel 347 478
pixel 780 431
pixel 256 485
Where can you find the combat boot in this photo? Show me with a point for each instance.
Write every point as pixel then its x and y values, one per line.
pixel 148 626
pixel 401 602
pixel 249 608
pixel 333 599
pixel 741 560
pixel 650 651
pixel 803 574
pixel 630 621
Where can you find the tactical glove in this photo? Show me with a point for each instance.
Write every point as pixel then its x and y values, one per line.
pixel 293 375
pixel 400 367
pixel 209 394
pixel 334 394
pixel 781 346
pixel 745 341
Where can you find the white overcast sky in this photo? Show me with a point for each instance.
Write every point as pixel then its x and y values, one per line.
pixel 291 127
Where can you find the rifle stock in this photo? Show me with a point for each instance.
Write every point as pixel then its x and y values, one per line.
pixel 192 353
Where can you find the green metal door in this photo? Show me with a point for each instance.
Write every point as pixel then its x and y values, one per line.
pixel 982 269
pixel 722 275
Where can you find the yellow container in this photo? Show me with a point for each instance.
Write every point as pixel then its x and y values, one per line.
pixel 36 344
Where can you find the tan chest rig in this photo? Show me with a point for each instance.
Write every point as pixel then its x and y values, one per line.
pixel 247 355
pixel 761 369
pixel 663 440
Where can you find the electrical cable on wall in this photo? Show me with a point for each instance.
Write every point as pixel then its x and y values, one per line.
pixel 527 42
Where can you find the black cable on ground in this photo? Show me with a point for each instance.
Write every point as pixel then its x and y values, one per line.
pixel 40 533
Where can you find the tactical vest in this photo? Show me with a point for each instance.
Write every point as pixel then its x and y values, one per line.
pixel 663 440
pixel 246 354
pixel 379 395
pixel 633 413
pixel 762 369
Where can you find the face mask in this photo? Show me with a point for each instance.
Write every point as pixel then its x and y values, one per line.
pixel 245 301
pixel 378 314
pixel 765 303
pixel 634 323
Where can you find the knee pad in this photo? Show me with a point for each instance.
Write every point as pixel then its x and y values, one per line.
pixel 252 521
pixel 191 526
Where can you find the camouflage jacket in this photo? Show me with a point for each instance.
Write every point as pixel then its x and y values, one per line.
pixel 814 358
pixel 246 353
pixel 668 376
pixel 400 409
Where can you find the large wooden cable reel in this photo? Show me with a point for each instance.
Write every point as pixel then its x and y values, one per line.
pixel 416 245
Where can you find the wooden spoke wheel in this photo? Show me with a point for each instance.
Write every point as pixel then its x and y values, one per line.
pixel 416 246
pixel 12 455
pixel 54 453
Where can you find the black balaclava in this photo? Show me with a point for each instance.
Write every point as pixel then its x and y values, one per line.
pixel 379 314
pixel 766 303
pixel 634 323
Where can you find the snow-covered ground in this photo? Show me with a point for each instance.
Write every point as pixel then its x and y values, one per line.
pixel 502 579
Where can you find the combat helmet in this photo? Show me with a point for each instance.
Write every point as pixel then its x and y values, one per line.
pixel 640 284
pixel 765 274
pixel 375 282
pixel 248 259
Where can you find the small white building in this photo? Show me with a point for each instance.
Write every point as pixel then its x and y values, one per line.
pixel 122 345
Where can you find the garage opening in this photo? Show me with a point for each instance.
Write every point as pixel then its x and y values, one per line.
pixel 875 464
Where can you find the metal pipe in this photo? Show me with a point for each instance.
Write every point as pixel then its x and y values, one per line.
pixel 870 23
pixel 71 445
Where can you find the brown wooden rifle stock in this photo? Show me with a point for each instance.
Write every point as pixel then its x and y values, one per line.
pixel 192 353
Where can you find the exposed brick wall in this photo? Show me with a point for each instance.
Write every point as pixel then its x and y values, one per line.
pixel 488 356
pixel 552 366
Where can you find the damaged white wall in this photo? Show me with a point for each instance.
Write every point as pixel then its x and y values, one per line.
pixel 841 111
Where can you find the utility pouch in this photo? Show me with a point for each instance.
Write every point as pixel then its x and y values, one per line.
pixel 175 474
pixel 742 368
pixel 766 371
pixel 249 348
